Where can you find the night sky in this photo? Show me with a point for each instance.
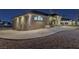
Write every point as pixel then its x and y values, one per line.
pixel 8 14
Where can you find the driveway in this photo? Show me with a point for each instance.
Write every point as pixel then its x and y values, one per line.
pixel 12 34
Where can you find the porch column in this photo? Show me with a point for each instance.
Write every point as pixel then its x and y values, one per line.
pixel 17 23
pixel 22 22
pixel 29 19
pixel 59 19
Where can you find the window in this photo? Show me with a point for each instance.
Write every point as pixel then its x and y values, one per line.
pixel 39 18
pixel 62 23
pixel 35 18
pixel 66 23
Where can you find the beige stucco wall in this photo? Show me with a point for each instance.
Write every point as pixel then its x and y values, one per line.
pixel 38 24
pixel 59 19
pixel 21 23
pixel 69 22
pixel 55 20
pixel 74 22
pixel 77 22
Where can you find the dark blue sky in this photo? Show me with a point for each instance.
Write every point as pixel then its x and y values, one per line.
pixel 8 14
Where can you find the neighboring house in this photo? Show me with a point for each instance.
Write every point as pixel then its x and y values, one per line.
pixel 68 22
pixel 57 20
pixel 77 23
pixel 5 24
pixel 65 21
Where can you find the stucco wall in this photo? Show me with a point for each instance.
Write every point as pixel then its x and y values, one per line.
pixel 38 24
pixel 68 23
pixel 26 22
pixel 54 20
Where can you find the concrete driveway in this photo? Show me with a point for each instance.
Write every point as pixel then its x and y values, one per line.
pixel 12 34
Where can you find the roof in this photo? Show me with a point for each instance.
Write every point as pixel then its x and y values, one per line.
pixel 53 14
pixel 65 19
pixel 37 12
pixel 34 12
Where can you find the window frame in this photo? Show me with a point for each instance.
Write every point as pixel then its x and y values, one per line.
pixel 38 18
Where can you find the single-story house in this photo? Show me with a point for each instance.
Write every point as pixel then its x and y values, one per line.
pixel 36 20
pixel 77 23
pixel 30 20
pixel 68 22
pixel 5 23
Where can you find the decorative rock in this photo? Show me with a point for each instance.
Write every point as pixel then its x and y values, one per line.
pixel 47 26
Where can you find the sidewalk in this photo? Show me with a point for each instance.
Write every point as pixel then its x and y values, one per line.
pixel 12 34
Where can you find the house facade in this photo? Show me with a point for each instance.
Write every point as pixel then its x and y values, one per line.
pixel 54 20
pixel 68 22
pixel 29 21
pixel 37 20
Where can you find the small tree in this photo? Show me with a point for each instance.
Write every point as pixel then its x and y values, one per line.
pixel 0 20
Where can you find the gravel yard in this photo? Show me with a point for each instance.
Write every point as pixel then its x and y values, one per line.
pixel 13 34
pixel 60 40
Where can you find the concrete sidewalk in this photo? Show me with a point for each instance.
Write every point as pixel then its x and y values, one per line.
pixel 12 34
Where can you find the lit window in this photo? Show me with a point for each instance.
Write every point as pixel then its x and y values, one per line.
pixel 35 18
pixel 39 18
pixel 5 24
